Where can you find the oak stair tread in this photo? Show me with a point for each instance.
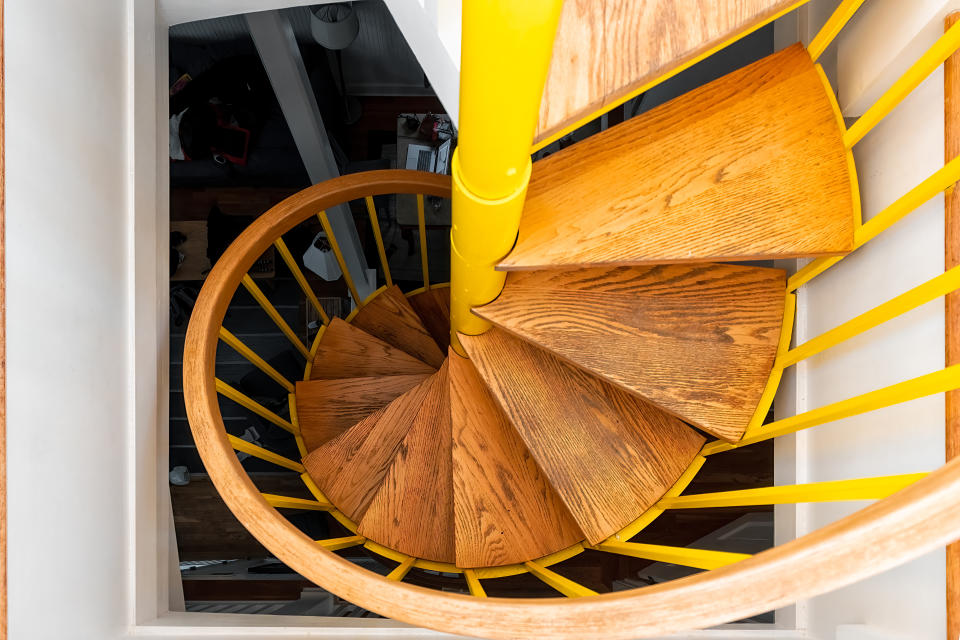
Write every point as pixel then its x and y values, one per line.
pixel 505 511
pixel 390 318
pixel 412 512
pixel 433 308
pixel 698 341
pixel 605 50
pixel 346 351
pixel 350 468
pixel 327 408
pixel 750 166
pixel 608 454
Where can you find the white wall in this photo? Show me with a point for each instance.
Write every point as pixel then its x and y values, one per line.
pixel 905 148
pixel 68 309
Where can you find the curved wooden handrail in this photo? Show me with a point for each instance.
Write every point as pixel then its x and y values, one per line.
pixel 887 533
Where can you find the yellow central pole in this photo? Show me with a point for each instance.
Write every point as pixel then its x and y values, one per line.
pixel 505 55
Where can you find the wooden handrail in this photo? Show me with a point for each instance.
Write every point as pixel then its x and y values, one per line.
pixel 885 534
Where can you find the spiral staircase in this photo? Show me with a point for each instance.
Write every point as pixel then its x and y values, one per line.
pixel 620 351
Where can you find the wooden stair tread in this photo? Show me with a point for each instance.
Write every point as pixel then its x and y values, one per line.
pixel 433 308
pixel 750 166
pixel 608 454
pixel 412 511
pixel 390 318
pixel 350 468
pixel 696 340
pixel 505 510
pixel 327 408
pixel 607 49
pixel 346 351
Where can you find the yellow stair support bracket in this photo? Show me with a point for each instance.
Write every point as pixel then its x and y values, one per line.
pixel 295 421
pixel 335 544
pixel 335 247
pixel 832 28
pixel 565 586
pixel 375 223
pixel 300 278
pixel 274 315
pixel 422 227
pixel 249 403
pixel 237 345
pixel 286 502
pixel 473 584
pixel 491 165
pixel 256 451
pixel 401 570
pixel 696 558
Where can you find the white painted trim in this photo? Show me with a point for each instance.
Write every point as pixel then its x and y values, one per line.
pixel 173 12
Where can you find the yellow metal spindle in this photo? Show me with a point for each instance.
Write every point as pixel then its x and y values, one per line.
pixel 491 165
pixel 271 311
pixel 697 558
pixel 930 290
pixel 473 583
pixel 300 278
pixel 375 223
pixel 834 24
pixel 259 452
pixel 929 384
pixel 940 181
pixel 422 224
pixel 776 374
pixel 565 586
pixel 401 570
pixel 837 490
pixel 933 58
pixel 286 502
pixel 254 359
pixel 655 512
pixel 325 222
pixel 335 544
pixel 246 401
pixel 340 517
pixel 295 421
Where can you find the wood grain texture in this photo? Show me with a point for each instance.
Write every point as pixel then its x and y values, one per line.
pixel 346 351
pixel 433 308
pixel 881 536
pixel 390 318
pixel 350 468
pixel 327 408
pixel 951 255
pixel 607 49
pixel 697 340
pixel 607 454
pixel 413 510
pixel 505 510
pixel 750 166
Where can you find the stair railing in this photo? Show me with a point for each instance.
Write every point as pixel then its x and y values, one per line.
pixel 914 512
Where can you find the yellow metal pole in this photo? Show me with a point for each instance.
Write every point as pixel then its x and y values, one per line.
pixel 505 55
pixel 375 223
pixel 422 224
pixel 832 28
